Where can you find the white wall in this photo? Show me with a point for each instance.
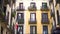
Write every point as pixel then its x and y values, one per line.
pixel 27 3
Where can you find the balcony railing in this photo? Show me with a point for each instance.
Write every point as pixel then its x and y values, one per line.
pixel 21 21
pixel 32 22
pixel 21 9
pixel 44 8
pixel 32 8
pixel 45 21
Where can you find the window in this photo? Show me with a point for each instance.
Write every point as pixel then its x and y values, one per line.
pixel 44 17
pixel 20 16
pixel 58 17
pixel 1 30
pixel 1 1
pixel 20 30
pixel 21 5
pixel 45 29
pixel 33 16
pixel 33 30
pixel 44 5
pixel 32 4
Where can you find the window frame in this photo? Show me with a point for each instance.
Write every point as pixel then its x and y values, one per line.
pixel 45 28
pixel 33 4
pixel 45 5
pixel 22 16
pixel 21 30
pixel 31 30
pixel 21 5
pixel 34 16
pixel 45 17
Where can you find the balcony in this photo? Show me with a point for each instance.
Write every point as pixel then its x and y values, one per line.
pixel 45 21
pixel 32 8
pixel 20 8
pixel 21 21
pixel 44 8
pixel 32 22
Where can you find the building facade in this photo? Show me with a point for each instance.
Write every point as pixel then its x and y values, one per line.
pixel 33 17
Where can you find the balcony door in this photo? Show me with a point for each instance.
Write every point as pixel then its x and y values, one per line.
pixel 20 30
pixel 45 29
pixel 33 16
pixel 33 30
pixel 20 16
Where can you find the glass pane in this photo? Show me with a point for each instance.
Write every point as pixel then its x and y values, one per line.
pixel 19 16
pixel 32 4
pixel 33 30
pixel 44 5
pixel 45 30
pixel 20 33
pixel 33 17
pixel 21 5
pixel 20 30
pixel 22 15
pixel 45 16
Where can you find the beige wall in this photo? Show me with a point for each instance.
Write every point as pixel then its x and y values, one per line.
pixel 38 16
pixel 39 24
